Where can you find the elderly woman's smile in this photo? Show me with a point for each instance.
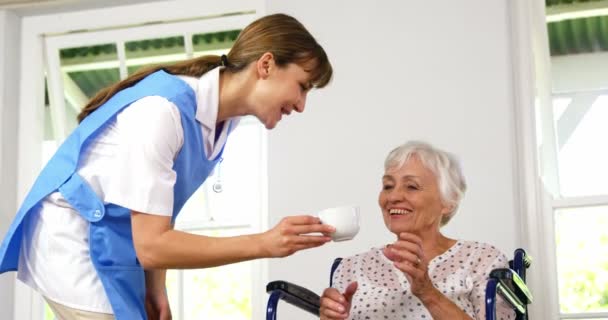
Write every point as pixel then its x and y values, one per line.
pixel 399 212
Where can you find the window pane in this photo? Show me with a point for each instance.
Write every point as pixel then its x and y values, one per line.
pixel 85 71
pixel 92 68
pixel 560 105
pixel 195 212
pixel 583 156
pixel 149 52
pixel 173 287
pixel 92 80
pixel 582 243
pixel 213 43
pixel 219 293
pixel 48 313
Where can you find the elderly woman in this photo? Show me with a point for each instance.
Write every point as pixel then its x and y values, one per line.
pixel 423 274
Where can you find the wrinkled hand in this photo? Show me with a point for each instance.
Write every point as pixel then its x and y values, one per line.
pixel 157 306
pixel 292 234
pixel 335 305
pixel 408 256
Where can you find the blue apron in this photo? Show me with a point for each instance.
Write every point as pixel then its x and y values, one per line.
pixel 110 241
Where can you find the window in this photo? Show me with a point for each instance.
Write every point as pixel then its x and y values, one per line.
pixel 580 209
pixel 80 64
pixel 573 159
pixel 579 202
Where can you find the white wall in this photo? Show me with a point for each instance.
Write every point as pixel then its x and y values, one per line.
pixel 9 42
pixel 433 70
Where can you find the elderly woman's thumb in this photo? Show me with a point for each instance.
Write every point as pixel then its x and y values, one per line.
pixel 350 291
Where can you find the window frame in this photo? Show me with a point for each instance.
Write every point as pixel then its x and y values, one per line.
pixel 53 43
pixel 537 156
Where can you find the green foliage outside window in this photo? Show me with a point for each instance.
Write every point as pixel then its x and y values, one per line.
pixel 582 243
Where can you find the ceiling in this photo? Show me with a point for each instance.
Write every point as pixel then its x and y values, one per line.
pixel 38 7
pixel 23 2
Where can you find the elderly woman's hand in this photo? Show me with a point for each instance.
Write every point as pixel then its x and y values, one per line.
pixel 408 256
pixel 335 305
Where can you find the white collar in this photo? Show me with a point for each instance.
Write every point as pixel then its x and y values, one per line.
pixel 207 90
pixel 207 99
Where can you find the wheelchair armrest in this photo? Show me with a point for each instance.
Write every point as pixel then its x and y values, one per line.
pixel 511 281
pixel 295 295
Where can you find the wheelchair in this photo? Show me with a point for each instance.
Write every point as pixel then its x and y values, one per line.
pixel 510 283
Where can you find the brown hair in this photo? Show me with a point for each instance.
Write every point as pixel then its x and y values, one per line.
pixel 282 35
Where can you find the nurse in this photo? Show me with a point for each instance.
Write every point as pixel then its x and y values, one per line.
pixel 95 233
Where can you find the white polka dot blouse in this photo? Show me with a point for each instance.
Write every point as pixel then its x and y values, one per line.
pixel 460 273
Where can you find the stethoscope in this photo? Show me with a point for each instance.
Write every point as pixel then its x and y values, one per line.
pixel 217 185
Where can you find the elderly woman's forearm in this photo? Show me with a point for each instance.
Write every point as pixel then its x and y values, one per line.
pixel 442 308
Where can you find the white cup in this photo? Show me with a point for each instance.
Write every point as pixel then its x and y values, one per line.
pixel 345 219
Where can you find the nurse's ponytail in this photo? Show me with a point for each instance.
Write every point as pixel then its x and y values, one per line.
pixel 282 35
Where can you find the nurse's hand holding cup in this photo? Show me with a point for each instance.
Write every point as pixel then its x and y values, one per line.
pixel 344 218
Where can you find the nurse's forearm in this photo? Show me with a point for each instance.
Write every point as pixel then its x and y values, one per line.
pixel 158 246
pixel 179 250
pixel 155 280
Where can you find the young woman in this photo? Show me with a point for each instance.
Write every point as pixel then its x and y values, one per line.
pixel 94 236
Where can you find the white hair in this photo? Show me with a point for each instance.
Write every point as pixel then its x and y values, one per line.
pixel 444 166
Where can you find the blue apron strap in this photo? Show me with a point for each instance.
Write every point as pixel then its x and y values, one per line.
pixel 82 198
pixel 115 260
